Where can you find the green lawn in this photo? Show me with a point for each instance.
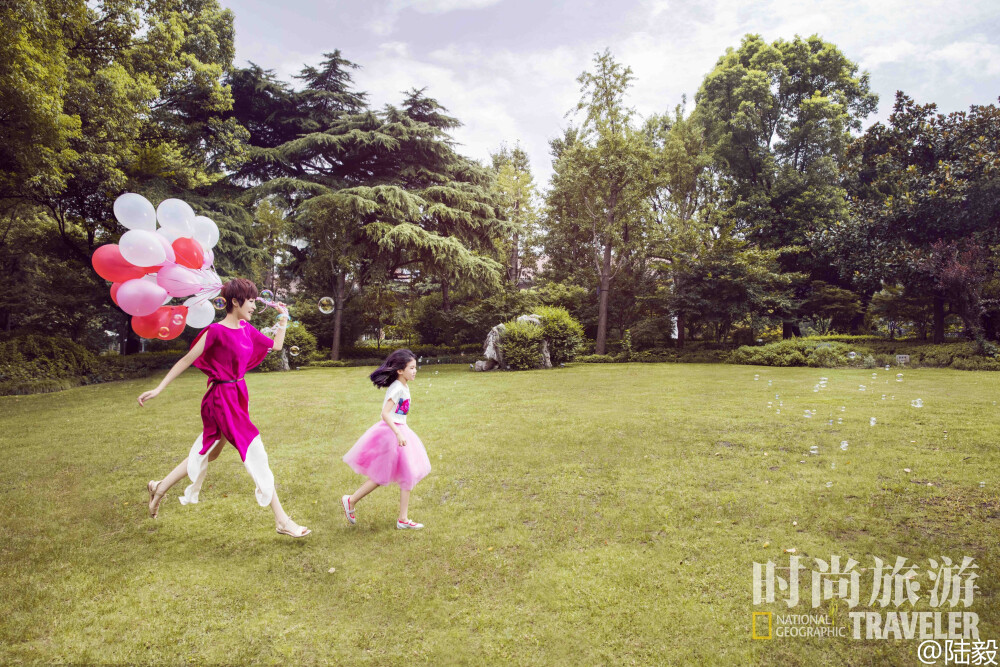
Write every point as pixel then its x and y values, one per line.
pixel 596 514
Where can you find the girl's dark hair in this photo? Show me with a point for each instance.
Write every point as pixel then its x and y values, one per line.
pixel 386 373
pixel 239 290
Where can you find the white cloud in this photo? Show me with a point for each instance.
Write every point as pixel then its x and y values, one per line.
pixel 385 24
pixel 882 54
pixel 975 58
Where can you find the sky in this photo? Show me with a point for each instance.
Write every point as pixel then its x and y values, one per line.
pixel 507 69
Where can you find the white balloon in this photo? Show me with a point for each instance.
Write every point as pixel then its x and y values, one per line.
pixel 168 300
pixel 206 232
pixel 135 212
pixel 176 215
pixel 201 312
pixel 168 234
pixel 142 248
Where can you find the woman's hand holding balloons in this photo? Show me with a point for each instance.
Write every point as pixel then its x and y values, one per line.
pixel 150 265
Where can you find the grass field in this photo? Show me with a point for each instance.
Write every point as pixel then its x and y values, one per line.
pixel 596 514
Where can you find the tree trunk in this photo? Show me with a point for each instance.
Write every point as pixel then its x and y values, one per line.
pixel 938 319
pixel 514 272
pixel 990 326
pixel 681 324
pixel 445 300
pixel 338 313
pixel 602 321
pixel 790 328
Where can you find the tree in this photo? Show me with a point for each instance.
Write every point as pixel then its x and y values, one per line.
pixel 925 192
pixel 778 118
pixel 373 193
pixel 602 178
pixel 683 200
pixel 518 205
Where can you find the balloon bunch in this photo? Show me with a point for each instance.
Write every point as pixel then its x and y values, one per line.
pixel 150 266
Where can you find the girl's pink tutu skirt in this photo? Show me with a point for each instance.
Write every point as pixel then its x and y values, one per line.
pixel 378 456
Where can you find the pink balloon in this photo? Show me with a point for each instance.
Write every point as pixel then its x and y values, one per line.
pixel 140 297
pixel 209 259
pixel 179 280
pixel 167 248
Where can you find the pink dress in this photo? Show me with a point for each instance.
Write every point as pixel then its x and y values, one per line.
pixel 229 354
pixel 377 453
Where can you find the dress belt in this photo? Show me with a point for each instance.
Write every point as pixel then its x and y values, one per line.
pixel 214 382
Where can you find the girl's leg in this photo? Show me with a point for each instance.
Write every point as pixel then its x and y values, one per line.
pixel 363 491
pixel 404 502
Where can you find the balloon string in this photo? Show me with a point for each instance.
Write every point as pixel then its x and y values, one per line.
pixel 206 291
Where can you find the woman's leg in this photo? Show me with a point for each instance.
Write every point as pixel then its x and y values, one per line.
pixel 259 469
pixel 158 489
pixel 197 468
pixel 363 491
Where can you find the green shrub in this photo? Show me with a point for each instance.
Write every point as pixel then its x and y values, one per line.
pixel 595 359
pixel 34 357
pixel 563 333
pixel 327 363
pixel 976 364
pixel 522 345
pixel 24 387
pixel 112 367
pixel 297 336
pixel 794 352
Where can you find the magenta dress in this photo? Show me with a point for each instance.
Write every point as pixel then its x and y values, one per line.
pixel 229 354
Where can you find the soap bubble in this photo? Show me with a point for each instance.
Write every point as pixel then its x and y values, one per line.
pixel 852 355
pixel 814 449
pixel 829 484
pixel 917 403
pixel 267 295
pixel 843 445
pixel 899 377
pixel 861 387
pixel 326 305
pixel 219 302
pixel 887 367
pixel 177 319
pixel 807 414
pixel 982 485
pixel 871 422
pixel 164 332
pixel 756 377
pixel 294 350
pixel 842 408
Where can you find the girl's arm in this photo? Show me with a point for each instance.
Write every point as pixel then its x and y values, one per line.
pixel 279 336
pixel 387 411
pixel 178 368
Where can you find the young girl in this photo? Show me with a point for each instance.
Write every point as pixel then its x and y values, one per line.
pixel 225 351
pixel 389 451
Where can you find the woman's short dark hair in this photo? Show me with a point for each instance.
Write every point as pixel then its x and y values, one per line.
pixel 237 292
pixel 386 373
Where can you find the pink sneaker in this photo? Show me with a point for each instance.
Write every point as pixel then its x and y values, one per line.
pixel 408 525
pixel 348 510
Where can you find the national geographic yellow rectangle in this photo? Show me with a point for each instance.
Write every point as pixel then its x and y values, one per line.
pixel 754 628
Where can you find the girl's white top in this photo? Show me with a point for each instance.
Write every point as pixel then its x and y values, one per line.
pixel 399 393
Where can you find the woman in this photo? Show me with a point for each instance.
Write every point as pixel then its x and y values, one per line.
pixel 225 351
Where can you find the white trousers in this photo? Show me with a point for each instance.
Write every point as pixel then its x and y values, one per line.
pixel 256 464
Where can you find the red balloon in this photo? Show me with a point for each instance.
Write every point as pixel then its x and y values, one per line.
pixel 114 292
pixel 110 265
pixel 189 253
pixel 166 323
